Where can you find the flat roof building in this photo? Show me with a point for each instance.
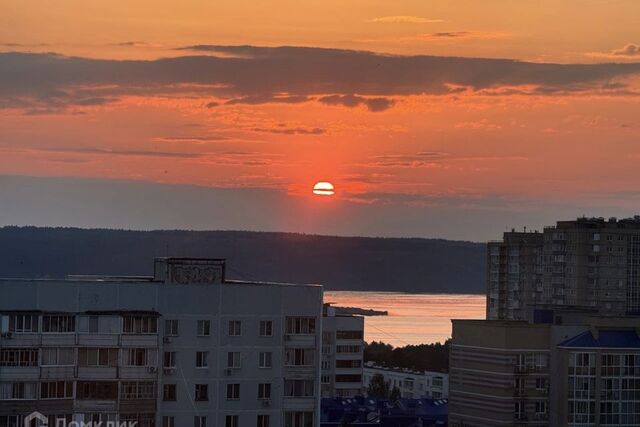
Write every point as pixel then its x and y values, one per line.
pixel 184 347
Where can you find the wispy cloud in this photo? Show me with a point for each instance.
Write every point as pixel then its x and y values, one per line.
pixel 405 19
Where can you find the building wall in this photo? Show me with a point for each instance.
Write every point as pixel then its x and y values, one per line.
pixel 342 355
pixel 214 300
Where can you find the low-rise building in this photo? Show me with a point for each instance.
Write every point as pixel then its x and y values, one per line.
pixel 184 347
pixel 411 384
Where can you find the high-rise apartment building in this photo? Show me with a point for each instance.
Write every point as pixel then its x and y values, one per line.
pixel 514 275
pixel 184 347
pixel 342 354
pixel 589 263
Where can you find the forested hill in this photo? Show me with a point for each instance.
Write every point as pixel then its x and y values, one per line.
pixel 339 263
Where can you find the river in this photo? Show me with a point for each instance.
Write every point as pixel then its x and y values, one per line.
pixel 413 318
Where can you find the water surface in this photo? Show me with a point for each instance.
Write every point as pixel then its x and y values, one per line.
pixel 413 318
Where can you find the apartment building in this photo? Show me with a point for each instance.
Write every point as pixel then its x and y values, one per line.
pixel 581 370
pixel 342 354
pixel 184 347
pixel 411 384
pixel 588 262
pixel 514 275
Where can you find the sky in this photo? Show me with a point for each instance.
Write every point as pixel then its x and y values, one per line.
pixel 451 119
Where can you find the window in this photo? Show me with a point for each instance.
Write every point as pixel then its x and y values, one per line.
pixel 235 328
pixel 204 328
pixel 168 421
pixel 23 323
pixel 96 357
pixel 263 421
pixel 201 359
pixel 266 328
pixel 53 356
pixel 233 359
pixel 264 391
pixel 23 357
pixel 171 328
pixel 347 364
pixel 541 383
pixel 352 378
pixel 298 419
pixel 131 390
pixel 202 392
pixel 265 359
pixel 349 335
pixel 18 391
pixel 298 388
pixel 140 357
pixel 169 359
pixel 169 392
pixel 231 421
pixel 348 349
pixel 299 356
pixel 199 421
pixel 97 390
pixel 58 323
pixel 541 407
pixel 233 391
pixel 140 325
pixel 325 379
pixel 301 325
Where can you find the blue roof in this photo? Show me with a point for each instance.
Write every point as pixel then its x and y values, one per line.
pixel 607 338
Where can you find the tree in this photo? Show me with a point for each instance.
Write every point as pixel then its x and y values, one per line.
pixel 395 394
pixel 378 387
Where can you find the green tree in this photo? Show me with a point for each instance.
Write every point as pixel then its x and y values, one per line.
pixel 378 387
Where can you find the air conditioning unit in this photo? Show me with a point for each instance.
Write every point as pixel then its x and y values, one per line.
pixel 167 340
pixel 152 369
pixel 287 337
pixel 228 372
pixel 168 371
pixel 266 403
pixel 7 335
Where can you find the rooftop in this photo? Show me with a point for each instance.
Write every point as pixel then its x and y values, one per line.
pixel 604 338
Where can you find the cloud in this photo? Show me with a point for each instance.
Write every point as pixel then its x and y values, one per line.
pixel 250 74
pixel 628 50
pixel 198 140
pixel 110 152
pixel 281 129
pixel 140 44
pixel 405 19
pixel 351 100
pixel 451 35
pixel 268 99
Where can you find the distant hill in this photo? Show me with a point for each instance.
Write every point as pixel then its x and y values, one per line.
pixel 339 263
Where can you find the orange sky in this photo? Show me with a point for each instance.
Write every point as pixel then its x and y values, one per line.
pixel 397 129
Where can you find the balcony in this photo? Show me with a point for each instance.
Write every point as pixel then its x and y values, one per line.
pixel 19 373
pixel 135 340
pixel 58 372
pixel 98 340
pixel 58 339
pixel 97 373
pixel 300 340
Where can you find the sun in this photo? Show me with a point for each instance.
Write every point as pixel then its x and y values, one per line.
pixel 323 188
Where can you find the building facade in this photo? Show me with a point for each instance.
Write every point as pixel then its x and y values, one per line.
pixel 185 347
pixel 561 344
pixel 589 263
pixel 582 371
pixel 411 384
pixel 342 354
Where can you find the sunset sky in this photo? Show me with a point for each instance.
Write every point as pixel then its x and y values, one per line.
pixel 451 119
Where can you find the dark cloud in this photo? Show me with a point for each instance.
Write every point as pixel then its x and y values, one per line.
pixel 116 152
pixel 268 99
pixel 252 74
pixel 351 100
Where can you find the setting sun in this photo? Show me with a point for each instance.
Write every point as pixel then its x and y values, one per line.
pixel 323 188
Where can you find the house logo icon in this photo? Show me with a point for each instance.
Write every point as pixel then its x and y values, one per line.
pixel 42 421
